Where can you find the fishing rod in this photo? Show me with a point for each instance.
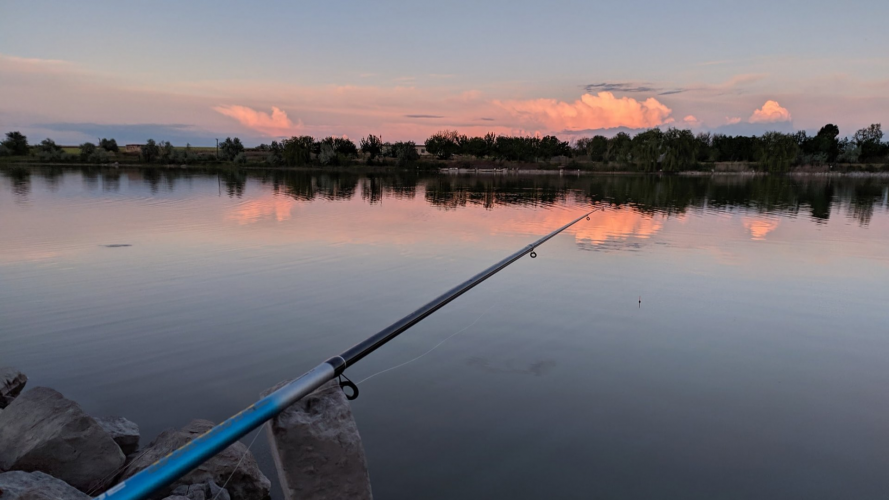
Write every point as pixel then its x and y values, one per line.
pixel 195 452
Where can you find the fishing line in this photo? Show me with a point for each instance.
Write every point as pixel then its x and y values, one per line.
pixel 434 348
pixel 230 476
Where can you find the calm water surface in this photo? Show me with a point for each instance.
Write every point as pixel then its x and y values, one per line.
pixel 756 367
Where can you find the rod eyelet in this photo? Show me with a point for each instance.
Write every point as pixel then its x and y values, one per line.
pixel 352 393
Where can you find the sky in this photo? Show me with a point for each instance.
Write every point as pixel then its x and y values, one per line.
pixel 191 72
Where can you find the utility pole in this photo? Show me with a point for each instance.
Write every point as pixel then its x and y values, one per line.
pixel 217 149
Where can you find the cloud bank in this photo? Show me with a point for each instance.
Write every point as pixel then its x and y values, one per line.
pixel 600 111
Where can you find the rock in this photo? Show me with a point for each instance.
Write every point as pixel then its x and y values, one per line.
pixel 20 485
pixel 43 431
pixel 247 483
pixel 12 382
pixel 203 491
pixel 317 448
pixel 122 431
pixel 217 492
pixel 197 492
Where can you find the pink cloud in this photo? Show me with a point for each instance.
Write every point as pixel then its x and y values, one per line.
pixel 277 124
pixel 732 120
pixel 770 112
pixel 590 112
pixel 691 121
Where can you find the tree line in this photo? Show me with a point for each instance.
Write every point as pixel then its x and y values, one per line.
pixel 652 150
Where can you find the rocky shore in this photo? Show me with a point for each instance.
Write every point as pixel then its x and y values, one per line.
pixel 50 449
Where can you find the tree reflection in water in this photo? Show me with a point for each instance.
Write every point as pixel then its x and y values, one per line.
pixel 812 196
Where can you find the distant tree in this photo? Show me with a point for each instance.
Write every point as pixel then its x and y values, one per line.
pixel 647 149
pixel 703 150
pixel 167 152
pixel 827 142
pixel 731 148
pixel 275 156
pixel 336 151
pixel 443 144
pixel 16 143
pixel 490 140
pixel 86 151
pixel 109 145
pixel 230 148
pixel 48 150
pixel 777 151
pixel 597 147
pixel 405 153
pixel 344 146
pixel 4 151
pixel 372 146
pixel 48 146
pixel 462 144
pixel 869 141
pixel 527 149
pixel 327 155
pixel 477 146
pixel 297 151
pixel 680 148
pixel 619 149
pixel 150 151
pixel 873 133
pixel 849 152
pixel 550 146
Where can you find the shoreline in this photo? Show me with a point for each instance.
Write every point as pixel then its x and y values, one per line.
pixel 227 167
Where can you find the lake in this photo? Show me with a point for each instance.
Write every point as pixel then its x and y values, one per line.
pixel 755 366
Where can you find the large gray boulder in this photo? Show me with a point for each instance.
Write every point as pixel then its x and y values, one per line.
pixel 317 448
pixel 12 382
pixel 122 431
pixel 247 483
pixel 20 485
pixel 43 431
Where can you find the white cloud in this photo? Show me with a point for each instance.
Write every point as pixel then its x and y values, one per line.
pixel 770 112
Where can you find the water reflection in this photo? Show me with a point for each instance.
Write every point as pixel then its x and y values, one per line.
pixel 111 181
pixel 816 197
pixel 167 295
pixel 20 181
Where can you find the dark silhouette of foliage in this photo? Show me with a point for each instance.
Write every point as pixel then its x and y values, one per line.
pixel 405 153
pixel 109 145
pixel 680 148
pixel 230 148
pixel 86 150
pixel 372 146
pixel 869 140
pixel 443 144
pixel 297 151
pixel 150 151
pixel 16 143
pixel 777 151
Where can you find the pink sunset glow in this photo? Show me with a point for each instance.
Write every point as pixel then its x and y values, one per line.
pixel 600 111
pixel 276 124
